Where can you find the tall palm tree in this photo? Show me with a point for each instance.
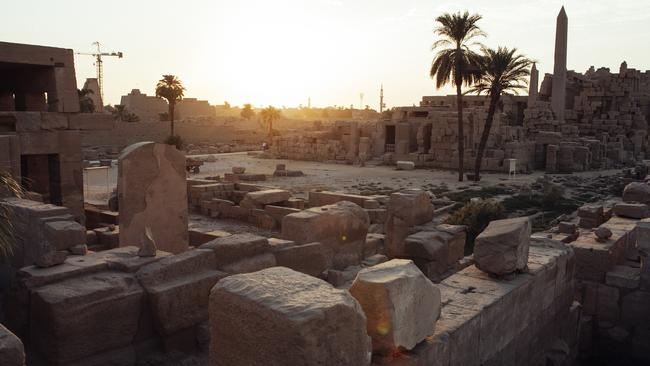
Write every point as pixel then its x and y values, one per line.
pixel 503 71
pixel 456 64
pixel 171 89
pixel 270 115
pixel 119 112
pixel 86 103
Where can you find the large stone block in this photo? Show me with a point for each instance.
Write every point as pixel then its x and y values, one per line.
pixel 152 194
pixel 259 199
pixel 82 316
pixel 342 226
pixel 637 192
pixel 632 210
pixel 281 317
pixel 12 352
pixel 311 259
pixel 230 249
pixel 64 234
pixel 405 210
pixel 502 247
pixel 400 303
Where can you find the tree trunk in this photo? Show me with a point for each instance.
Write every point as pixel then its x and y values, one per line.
pixel 494 100
pixel 171 116
pixel 270 131
pixel 461 133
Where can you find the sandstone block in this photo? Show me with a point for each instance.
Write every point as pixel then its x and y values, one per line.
pixel 637 192
pixel 64 234
pixel 632 210
pixel 405 165
pixel 405 210
pixel 502 247
pixel 311 259
pixel 66 316
pixel 400 303
pixel 232 248
pixel 281 317
pixel 12 352
pixel 259 199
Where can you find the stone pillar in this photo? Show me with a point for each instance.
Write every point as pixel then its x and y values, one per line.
pixel 533 86
pixel 353 143
pixel 152 192
pixel 551 158
pixel 558 96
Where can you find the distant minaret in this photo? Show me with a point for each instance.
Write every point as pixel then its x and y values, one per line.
pixel 533 86
pixel 309 102
pixel 558 97
pixel 381 99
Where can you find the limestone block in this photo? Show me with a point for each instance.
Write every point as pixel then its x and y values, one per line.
pixel 405 165
pixel 637 192
pixel 233 248
pixel 405 210
pixel 623 277
pixel 12 352
pixel 152 193
pixel 64 234
pixel 251 264
pixel 632 210
pixel 66 316
pixel 400 303
pixel 342 227
pixel 311 259
pixel 281 317
pixel 259 199
pixel 503 246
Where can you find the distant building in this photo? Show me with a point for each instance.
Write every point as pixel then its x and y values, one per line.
pixel 148 108
pixel 192 107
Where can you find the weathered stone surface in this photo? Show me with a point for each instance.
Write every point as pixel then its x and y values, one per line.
pixel 342 227
pixel 311 259
pixel 238 170
pixel 623 277
pixel 281 317
pixel 567 227
pixel 64 234
pixel 79 249
pixel 632 210
pixel 405 210
pixel 251 264
pixel 259 199
pixel 152 193
pixel 603 233
pixel 637 192
pixel 12 352
pixel 82 316
pixel 591 215
pixel 50 259
pixel 233 248
pixel 147 245
pixel 503 246
pixel 404 165
pixel 400 303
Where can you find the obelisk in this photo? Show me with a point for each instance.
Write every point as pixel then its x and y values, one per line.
pixel 533 86
pixel 558 96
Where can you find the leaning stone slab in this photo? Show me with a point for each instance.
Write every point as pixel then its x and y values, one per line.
pixel 12 352
pixel 152 192
pixel 401 304
pixel 502 247
pixel 281 317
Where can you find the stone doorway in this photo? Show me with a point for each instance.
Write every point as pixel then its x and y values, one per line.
pixel 41 173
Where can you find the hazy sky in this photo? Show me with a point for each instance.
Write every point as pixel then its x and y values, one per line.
pixel 281 52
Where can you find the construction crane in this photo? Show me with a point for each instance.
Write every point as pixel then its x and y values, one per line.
pixel 99 64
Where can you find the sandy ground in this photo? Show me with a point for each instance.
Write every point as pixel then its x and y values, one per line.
pixel 336 177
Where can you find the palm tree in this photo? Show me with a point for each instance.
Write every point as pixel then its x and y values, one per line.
pixel 119 112
pixel 247 112
pixel 9 187
pixel 503 71
pixel 270 115
pixel 456 64
pixel 171 89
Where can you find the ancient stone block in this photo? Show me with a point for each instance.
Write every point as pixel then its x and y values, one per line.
pixel 64 234
pixel 251 264
pixel 12 351
pixel 311 259
pixel 503 246
pixel 405 165
pixel 152 193
pixel 233 248
pixel 632 210
pixel 623 277
pixel 66 316
pixel 281 317
pixel 342 227
pixel 405 210
pixel 259 199
pixel 400 303
pixel 637 192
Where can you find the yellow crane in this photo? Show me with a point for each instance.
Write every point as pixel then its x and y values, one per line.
pixel 99 64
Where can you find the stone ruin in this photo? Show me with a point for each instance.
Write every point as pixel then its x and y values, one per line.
pixel 572 122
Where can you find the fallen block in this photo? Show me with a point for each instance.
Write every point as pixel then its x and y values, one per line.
pixel 502 247
pixel 405 165
pixel 281 317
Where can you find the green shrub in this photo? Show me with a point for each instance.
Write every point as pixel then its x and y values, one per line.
pixel 552 195
pixel 175 140
pixel 476 215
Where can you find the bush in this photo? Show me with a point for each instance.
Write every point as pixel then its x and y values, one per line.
pixel 476 215
pixel 552 195
pixel 175 141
